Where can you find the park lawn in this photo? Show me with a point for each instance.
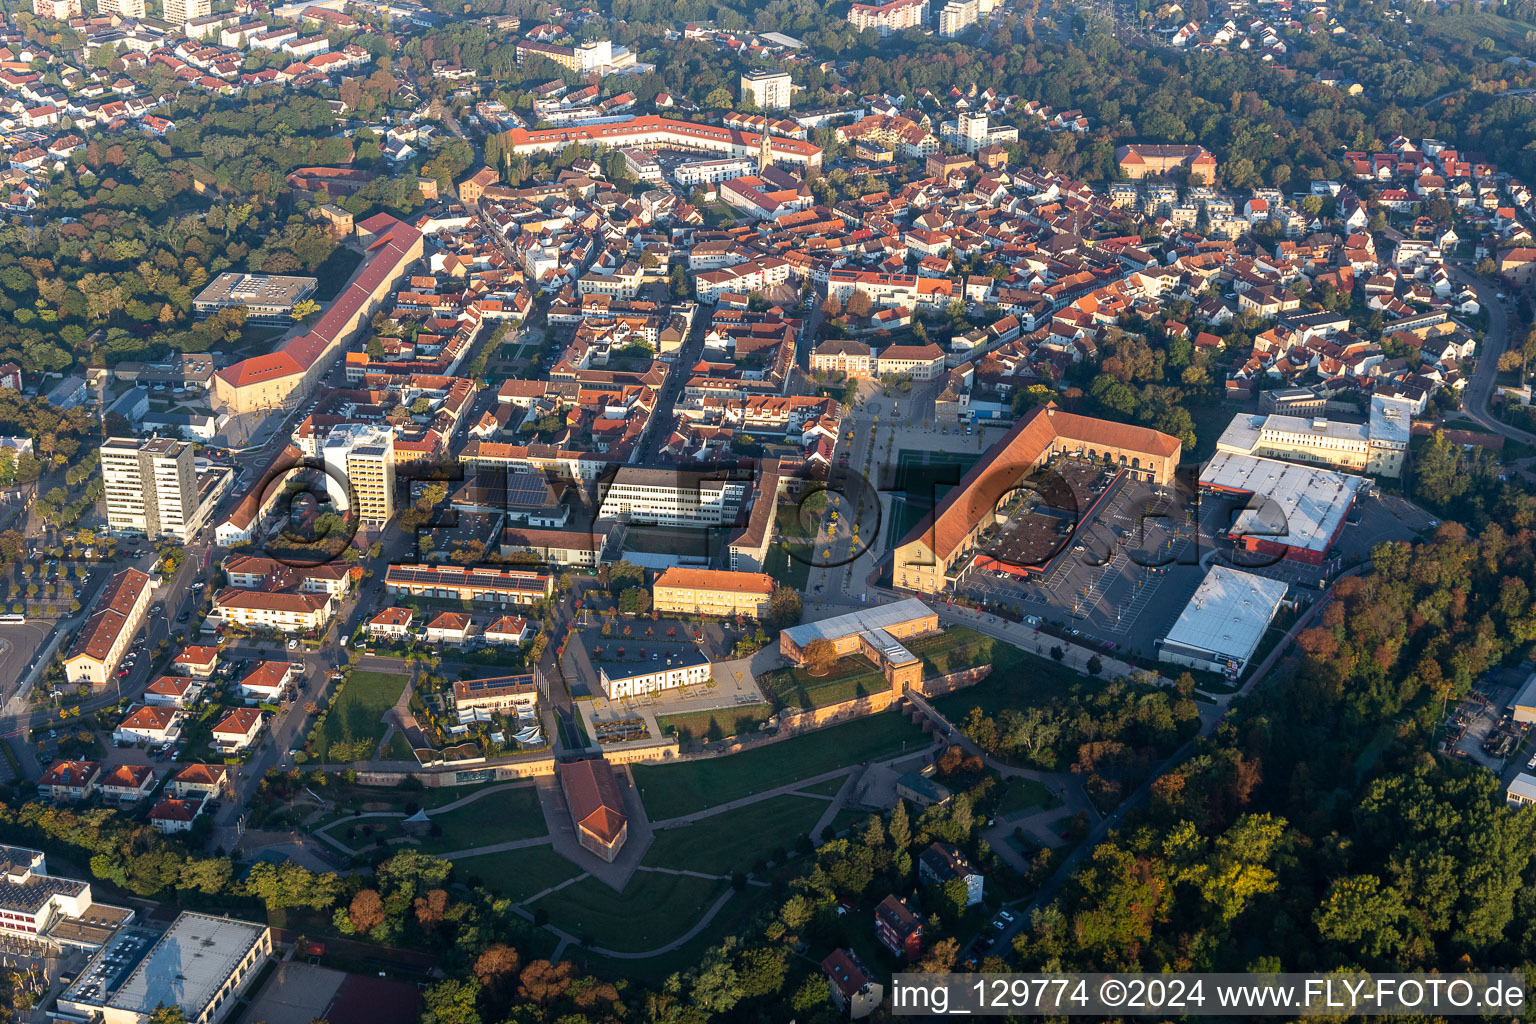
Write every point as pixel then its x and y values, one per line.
pixel 734 918
pixel 792 572
pixel 828 788
pixel 1021 794
pixel 355 720
pixel 670 791
pixel 735 840
pixel 399 748
pixel 654 909
pixel 1018 680
pixel 497 817
pixel 954 649
pixel 351 799
pixel 853 676
pixel 716 724
pixel 519 874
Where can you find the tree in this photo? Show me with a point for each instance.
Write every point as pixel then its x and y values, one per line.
pixel 172 1014
pixel 1095 666
pixel 495 968
pixel 544 982
pixel 860 303
pixel 431 908
pixel 820 656
pixel 1362 914
pixel 784 607
pixel 292 885
pixel 367 911
pixel 304 308
pixel 450 1002
pixel 899 828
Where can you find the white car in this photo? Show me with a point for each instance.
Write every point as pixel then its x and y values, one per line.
pixel 292 644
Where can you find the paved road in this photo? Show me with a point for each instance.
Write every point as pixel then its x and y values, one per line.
pixel 1480 388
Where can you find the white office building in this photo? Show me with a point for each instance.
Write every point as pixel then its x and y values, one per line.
pixel 671 497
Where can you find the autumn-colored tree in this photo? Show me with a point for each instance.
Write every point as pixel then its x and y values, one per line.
pixel 820 655
pixel 496 967
pixel 544 982
pixel 941 958
pixel 430 908
pixel 367 911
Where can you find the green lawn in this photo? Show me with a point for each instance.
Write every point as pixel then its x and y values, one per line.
pixel 494 818
pixel 854 676
pixel 1017 680
pixel 399 748
pixel 785 568
pixel 1022 794
pixel 353 726
pixel 735 840
pixel 519 874
pixel 954 649
pixel 716 724
pixel 352 799
pixel 653 909
pixel 670 791
pixel 827 788
pixel 733 919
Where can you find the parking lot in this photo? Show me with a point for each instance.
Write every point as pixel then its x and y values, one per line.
pixel 1130 563
pixel 1119 570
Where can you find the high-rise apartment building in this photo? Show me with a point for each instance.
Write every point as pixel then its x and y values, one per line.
pixel 957 16
pixel 151 487
pixel 889 17
pixel 179 12
pixel 360 471
pixel 57 9
pixel 132 9
pixel 770 90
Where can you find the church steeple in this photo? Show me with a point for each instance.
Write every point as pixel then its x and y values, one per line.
pixel 764 152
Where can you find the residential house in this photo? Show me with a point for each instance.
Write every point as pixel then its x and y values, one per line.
pixel 148 724
pixel 238 729
pixel 450 628
pixel 510 629
pixel 127 782
pixel 391 624
pixel 205 781
pixel 173 691
pixel 196 661
pixel 69 781
pixel 899 928
pixel 943 862
pixel 175 814
pixel 267 681
pixel 853 987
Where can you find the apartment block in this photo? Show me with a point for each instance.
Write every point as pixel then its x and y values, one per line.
pixel 360 464
pixel 681 591
pixel 770 90
pixel 151 487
